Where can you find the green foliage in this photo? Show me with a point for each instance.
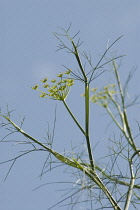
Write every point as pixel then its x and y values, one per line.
pixel 102 183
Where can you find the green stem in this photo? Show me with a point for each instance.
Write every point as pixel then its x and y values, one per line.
pixel 117 181
pixel 93 176
pixel 78 59
pixel 60 157
pixel 72 163
pixel 86 105
pixel 87 109
pixel 119 111
pixel 132 181
pixel 115 120
pixel 121 128
pixel 75 120
pixel 126 122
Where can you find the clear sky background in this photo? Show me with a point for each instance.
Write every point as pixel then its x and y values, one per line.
pixel 27 54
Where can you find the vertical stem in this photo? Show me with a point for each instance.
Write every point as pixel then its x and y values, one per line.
pixel 86 105
pixel 130 189
pixel 87 110
pixel 132 182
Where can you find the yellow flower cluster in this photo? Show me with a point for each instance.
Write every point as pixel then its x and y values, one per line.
pixel 58 90
pixel 103 97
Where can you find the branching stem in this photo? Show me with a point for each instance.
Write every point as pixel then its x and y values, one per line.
pixel 125 119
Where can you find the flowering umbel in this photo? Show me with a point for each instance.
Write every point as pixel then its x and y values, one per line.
pixel 104 96
pixel 57 90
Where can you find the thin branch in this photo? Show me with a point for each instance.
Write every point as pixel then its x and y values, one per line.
pixel 75 120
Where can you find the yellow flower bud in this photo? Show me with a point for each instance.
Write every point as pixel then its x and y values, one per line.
pixel 44 80
pixel 35 87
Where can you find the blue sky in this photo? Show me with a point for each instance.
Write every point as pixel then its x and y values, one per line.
pixel 28 53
